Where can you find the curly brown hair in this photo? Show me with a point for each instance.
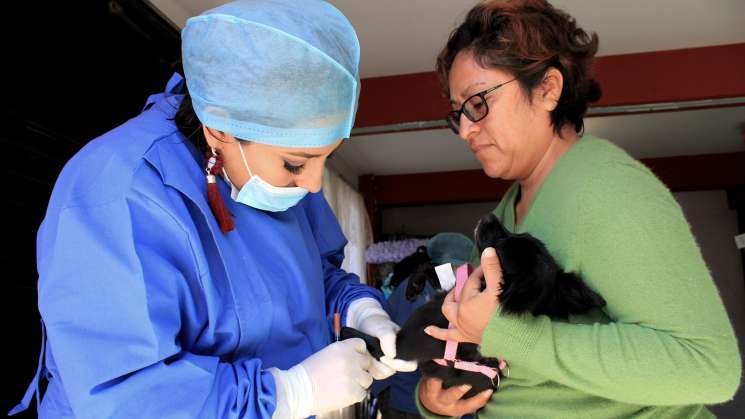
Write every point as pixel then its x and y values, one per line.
pixel 526 38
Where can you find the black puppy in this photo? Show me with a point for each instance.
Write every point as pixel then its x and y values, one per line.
pixel 532 280
pixel 532 283
pixel 418 268
pixel 423 274
pixel 407 265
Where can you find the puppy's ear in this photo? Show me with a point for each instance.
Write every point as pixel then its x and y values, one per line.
pixel 488 231
pixel 415 286
pixel 418 280
pixel 432 278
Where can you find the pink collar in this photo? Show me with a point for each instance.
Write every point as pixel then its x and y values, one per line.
pixel 451 346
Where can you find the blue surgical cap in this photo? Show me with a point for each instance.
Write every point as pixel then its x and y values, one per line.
pixel 278 72
pixel 452 248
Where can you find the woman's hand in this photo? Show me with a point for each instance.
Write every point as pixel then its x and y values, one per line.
pixel 470 315
pixel 449 402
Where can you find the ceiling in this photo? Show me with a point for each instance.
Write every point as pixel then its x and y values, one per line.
pixel 645 135
pixel 402 37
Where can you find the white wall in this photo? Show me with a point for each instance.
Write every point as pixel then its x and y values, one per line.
pixel 715 226
pixel 432 219
pixel 712 222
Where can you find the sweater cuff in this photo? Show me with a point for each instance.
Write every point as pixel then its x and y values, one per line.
pixel 423 410
pixel 513 337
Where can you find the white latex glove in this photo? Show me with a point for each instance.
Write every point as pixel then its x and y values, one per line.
pixel 367 316
pixel 334 377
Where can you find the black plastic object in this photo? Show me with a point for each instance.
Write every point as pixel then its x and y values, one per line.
pixel 372 343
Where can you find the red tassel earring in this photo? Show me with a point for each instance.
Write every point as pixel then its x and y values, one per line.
pixel 224 219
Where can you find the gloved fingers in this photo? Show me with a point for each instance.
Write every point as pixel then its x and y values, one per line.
pixel 355 343
pixel 359 357
pixel 399 364
pixel 362 377
pixel 388 342
pixel 380 371
pixel 364 360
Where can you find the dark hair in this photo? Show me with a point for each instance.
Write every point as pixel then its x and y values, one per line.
pixel 527 38
pixel 189 124
pixel 186 119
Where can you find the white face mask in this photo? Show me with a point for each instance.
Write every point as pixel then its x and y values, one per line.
pixel 262 195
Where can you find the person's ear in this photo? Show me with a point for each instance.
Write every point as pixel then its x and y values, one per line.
pixel 215 138
pixel 549 91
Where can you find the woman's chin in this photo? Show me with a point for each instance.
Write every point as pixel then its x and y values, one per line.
pixel 491 162
pixel 492 170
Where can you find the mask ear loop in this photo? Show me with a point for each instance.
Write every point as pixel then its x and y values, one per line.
pixel 245 163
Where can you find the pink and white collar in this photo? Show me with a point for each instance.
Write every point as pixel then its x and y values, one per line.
pixel 451 346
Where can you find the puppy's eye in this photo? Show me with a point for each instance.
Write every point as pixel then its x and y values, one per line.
pixel 293 168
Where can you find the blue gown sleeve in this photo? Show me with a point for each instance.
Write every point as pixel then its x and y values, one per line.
pixel 121 295
pixel 341 287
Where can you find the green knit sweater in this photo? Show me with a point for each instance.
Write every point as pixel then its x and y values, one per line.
pixel 662 347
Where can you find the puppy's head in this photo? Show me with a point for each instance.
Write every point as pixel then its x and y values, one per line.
pixel 423 274
pixel 409 265
pixel 528 270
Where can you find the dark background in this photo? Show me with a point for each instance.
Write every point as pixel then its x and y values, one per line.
pixel 71 70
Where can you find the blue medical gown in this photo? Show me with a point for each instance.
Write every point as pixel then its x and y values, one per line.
pixel 150 310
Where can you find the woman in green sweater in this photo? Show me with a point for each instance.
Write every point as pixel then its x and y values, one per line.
pixel 518 75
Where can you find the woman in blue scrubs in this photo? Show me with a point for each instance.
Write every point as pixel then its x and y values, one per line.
pixel 159 302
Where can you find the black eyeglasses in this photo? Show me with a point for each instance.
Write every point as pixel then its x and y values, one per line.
pixel 474 108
